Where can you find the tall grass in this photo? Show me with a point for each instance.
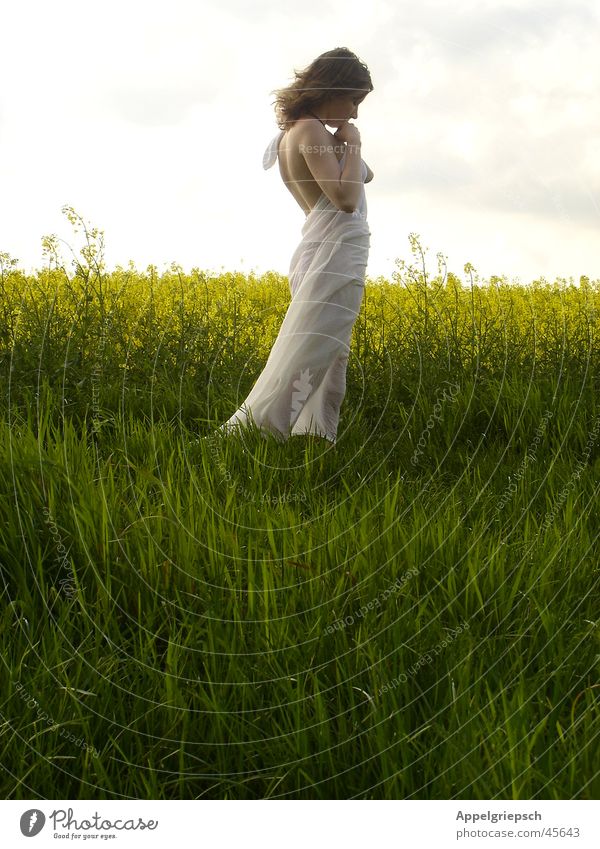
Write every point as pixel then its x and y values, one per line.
pixel 412 615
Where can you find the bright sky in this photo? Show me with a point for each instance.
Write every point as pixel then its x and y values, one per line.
pixel 151 119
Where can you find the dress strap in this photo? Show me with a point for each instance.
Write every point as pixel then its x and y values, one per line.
pixel 270 154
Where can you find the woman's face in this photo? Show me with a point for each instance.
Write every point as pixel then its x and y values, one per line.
pixel 343 107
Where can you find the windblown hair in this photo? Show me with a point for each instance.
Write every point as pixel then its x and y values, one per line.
pixel 329 75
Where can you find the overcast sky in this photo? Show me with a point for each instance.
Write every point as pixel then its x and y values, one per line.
pixel 151 119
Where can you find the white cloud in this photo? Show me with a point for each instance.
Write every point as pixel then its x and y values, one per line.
pixel 151 120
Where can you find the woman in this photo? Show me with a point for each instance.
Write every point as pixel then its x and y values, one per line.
pixel 302 386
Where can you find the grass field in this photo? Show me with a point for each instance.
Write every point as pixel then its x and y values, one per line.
pixel 414 614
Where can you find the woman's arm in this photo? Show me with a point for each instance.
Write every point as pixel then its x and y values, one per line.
pixel 316 144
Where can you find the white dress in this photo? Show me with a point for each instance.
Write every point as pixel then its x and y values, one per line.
pixel 303 383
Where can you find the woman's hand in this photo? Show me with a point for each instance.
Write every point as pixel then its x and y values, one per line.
pixel 348 133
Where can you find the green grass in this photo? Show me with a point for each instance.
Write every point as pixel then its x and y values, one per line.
pixel 413 614
pixel 196 649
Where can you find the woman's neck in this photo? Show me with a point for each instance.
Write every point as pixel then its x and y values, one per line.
pixel 316 116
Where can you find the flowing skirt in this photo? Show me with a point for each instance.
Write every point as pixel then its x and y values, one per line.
pixel 303 383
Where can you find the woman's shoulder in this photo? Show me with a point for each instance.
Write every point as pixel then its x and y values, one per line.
pixel 307 126
pixel 311 131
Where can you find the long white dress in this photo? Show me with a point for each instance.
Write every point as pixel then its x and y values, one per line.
pixel 303 383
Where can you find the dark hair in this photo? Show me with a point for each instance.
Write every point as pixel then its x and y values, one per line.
pixel 329 74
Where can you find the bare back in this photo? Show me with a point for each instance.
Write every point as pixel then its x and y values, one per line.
pixel 294 171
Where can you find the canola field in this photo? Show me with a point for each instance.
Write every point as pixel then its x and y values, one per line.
pixel 411 614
